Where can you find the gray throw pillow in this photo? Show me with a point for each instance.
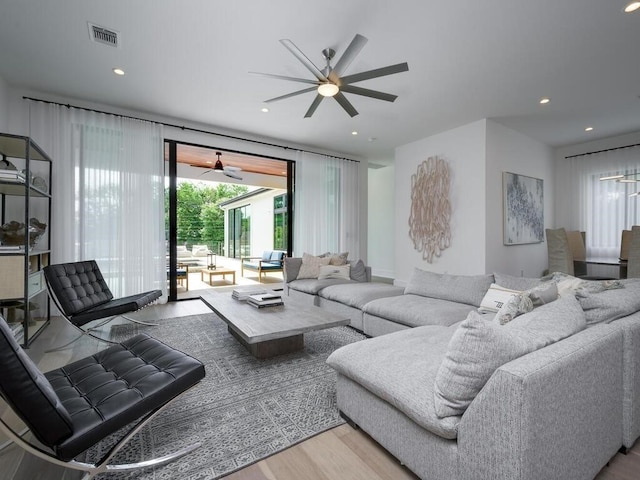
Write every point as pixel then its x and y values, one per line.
pixel 469 289
pixel 358 271
pixel 478 347
pixel 515 283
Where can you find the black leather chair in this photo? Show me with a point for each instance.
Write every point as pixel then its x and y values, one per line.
pixel 74 407
pixel 81 294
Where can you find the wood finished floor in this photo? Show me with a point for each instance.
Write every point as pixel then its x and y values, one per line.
pixel 342 453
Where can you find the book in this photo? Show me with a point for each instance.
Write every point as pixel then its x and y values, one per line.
pixel 265 300
pixel 265 305
pixel 243 293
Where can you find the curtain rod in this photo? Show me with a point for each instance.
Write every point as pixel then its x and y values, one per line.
pixel 602 151
pixel 191 129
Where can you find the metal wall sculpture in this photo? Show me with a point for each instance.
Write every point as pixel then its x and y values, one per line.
pixel 430 208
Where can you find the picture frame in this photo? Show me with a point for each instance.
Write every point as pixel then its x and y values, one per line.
pixel 523 207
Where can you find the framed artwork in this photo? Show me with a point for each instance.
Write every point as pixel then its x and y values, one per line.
pixel 523 199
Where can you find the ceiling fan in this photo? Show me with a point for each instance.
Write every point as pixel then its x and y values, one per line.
pixel 228 170
pixel 330 82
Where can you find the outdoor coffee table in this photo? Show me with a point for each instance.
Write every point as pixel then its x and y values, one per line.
pixel 270 331
pixel 218 271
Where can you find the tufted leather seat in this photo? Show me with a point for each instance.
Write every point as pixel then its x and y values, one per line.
pixel 83 294
pixel 72 408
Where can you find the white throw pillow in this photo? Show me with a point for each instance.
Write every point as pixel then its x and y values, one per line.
pixel 310 267
pixel 335 271
pixel 495 298
pixel 199 250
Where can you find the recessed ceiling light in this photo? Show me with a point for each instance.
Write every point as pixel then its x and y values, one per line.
pixel 632 7
pixel 588 129
pixel 544 100
pixel 118 71
pixel 264 110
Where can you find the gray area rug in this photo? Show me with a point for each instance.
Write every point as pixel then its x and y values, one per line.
pixel 244 410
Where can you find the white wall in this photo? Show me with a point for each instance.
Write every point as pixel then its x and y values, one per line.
pixel 381 219
pixel 464 149
pixel 511 151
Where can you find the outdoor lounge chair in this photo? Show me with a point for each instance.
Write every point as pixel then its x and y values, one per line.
pixel 70 409
pixel 79 291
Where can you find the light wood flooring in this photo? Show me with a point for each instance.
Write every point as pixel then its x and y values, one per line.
pixel 342 453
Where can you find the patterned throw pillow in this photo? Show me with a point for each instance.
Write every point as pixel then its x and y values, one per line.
pixel 495 298
pixel 310 267
pixel 334 271
pixel 336 258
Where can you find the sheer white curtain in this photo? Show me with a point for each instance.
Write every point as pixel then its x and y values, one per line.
pixel 107 193
pixel 327 205
pixel 601 208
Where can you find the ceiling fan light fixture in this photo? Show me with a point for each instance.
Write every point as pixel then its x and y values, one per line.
pixel 632 7
pixel 328 89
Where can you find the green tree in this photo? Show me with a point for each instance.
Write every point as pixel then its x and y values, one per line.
pixel 200 220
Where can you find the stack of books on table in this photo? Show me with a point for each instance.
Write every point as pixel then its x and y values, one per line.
pixel 265 300
pixel 242 294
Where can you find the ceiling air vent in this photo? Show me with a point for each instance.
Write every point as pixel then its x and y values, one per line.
pixel 104 35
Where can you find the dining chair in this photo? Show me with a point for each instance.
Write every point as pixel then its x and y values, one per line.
pixel 625 241
pixel 633 262
pixel 559 254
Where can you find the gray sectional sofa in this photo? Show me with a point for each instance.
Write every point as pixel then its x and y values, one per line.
pixel 556 391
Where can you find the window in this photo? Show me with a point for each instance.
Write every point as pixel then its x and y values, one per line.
pixel 280 223
pixel 240 232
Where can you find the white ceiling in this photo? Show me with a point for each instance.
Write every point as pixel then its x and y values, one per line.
pixel 468 60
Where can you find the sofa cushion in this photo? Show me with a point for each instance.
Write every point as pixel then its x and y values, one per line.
pixel 199 251
pixel 515 283
pixel 313 285
pixel 526 301
pixel 336 258
pixel 358 294
pixel 478 348
pixel 310 267
pixel 416 310
pixel 334 271
pixel 358 271
pixel 400 368
pixel 182 251
pixel 469 289
pixel 609 305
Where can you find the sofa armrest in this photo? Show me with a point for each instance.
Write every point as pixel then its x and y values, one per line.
pixel 555 413
pixel 291 268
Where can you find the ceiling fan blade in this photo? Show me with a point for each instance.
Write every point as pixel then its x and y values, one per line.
pixel 365 92
pixel 347 57
pixel 293 94
pixel 303 59
pixel 232 175
pixel 230 168
pixel 314 105
pixel 375 73
pixel 283 77
pixel 344 103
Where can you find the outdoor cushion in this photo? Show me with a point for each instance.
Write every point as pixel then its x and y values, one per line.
pixel 416 310
pixel 469 289
pixel 276 257
pixel 266 255
pixel 478 348
pixel 400 368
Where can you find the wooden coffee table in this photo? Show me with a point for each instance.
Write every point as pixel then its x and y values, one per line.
pixel 218 271
pixel 270 331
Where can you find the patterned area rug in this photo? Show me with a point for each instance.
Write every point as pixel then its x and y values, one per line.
pixel 244 410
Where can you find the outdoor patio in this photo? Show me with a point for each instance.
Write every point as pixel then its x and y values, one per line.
pixel 198 282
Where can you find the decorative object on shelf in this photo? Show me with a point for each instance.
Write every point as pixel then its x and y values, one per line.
pixel 13 233
pixel 430 215
pixel 40 183
pixel 7 165
pixel 523 209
